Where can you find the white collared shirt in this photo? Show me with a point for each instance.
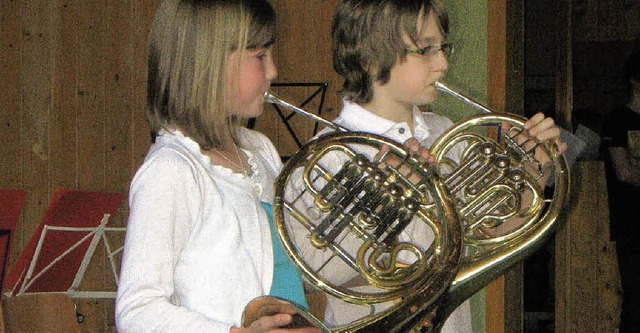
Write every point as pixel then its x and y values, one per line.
pixel 428 128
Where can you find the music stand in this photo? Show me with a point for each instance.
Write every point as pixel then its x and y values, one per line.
pixel 11 202
pixel 59 252
pixel 320 92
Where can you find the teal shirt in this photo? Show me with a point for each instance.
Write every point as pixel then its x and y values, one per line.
pixel 287 282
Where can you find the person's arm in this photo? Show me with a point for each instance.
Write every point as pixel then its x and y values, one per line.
pixel 625 166
pixel 162 208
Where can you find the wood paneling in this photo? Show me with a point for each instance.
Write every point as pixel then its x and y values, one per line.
pixel 10 94
pixel 587 282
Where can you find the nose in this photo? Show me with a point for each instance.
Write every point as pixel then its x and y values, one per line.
pixel 271 72
pixel 441 61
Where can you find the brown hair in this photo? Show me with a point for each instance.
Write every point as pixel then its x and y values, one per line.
pixel 367 36
pixel 189 45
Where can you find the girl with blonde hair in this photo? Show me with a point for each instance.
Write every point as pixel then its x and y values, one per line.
pixel 199 242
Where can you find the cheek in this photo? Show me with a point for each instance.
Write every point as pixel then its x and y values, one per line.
pixel 410 75
pixel 412 82
pixel 250 77
pixel 231 86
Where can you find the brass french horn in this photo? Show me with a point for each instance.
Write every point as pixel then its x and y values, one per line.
pixel 403 244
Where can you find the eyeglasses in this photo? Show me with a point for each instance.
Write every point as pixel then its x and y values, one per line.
pixel 431 51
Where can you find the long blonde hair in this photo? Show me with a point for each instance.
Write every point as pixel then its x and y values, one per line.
pixel 189 46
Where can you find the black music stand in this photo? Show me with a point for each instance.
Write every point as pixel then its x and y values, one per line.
pixel 320 92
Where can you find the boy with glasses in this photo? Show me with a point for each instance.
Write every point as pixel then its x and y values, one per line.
pixel 391 53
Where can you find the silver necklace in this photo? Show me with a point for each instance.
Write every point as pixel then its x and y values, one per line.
pixel 238 164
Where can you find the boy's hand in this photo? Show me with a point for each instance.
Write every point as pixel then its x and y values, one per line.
pixel 540 129
pixel 544 129
pixel 413 147
pixel 415 150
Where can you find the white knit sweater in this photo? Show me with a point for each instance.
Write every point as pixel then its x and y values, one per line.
pixel 198 246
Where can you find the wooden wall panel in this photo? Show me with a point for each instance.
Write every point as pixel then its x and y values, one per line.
pixel 63 141
pixel 91 126
pixel 91 28
pixel 118 93
pixel 35 88
pixel 10 94
pixel 587 281
pixel 143 12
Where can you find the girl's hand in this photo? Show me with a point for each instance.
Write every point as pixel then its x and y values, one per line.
pixel 273 324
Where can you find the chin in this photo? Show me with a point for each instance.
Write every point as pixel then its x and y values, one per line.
pixel 253 114
pixel 426 100
pixel 253 110
pixel 431 97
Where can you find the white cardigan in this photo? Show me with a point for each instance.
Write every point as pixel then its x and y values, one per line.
pixel 198 246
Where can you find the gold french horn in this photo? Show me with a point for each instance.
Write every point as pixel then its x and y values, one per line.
pixel 403 245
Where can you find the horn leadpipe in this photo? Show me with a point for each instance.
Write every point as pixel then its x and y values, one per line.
pixel 273 99
pixel 564 133
pixel 440 86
